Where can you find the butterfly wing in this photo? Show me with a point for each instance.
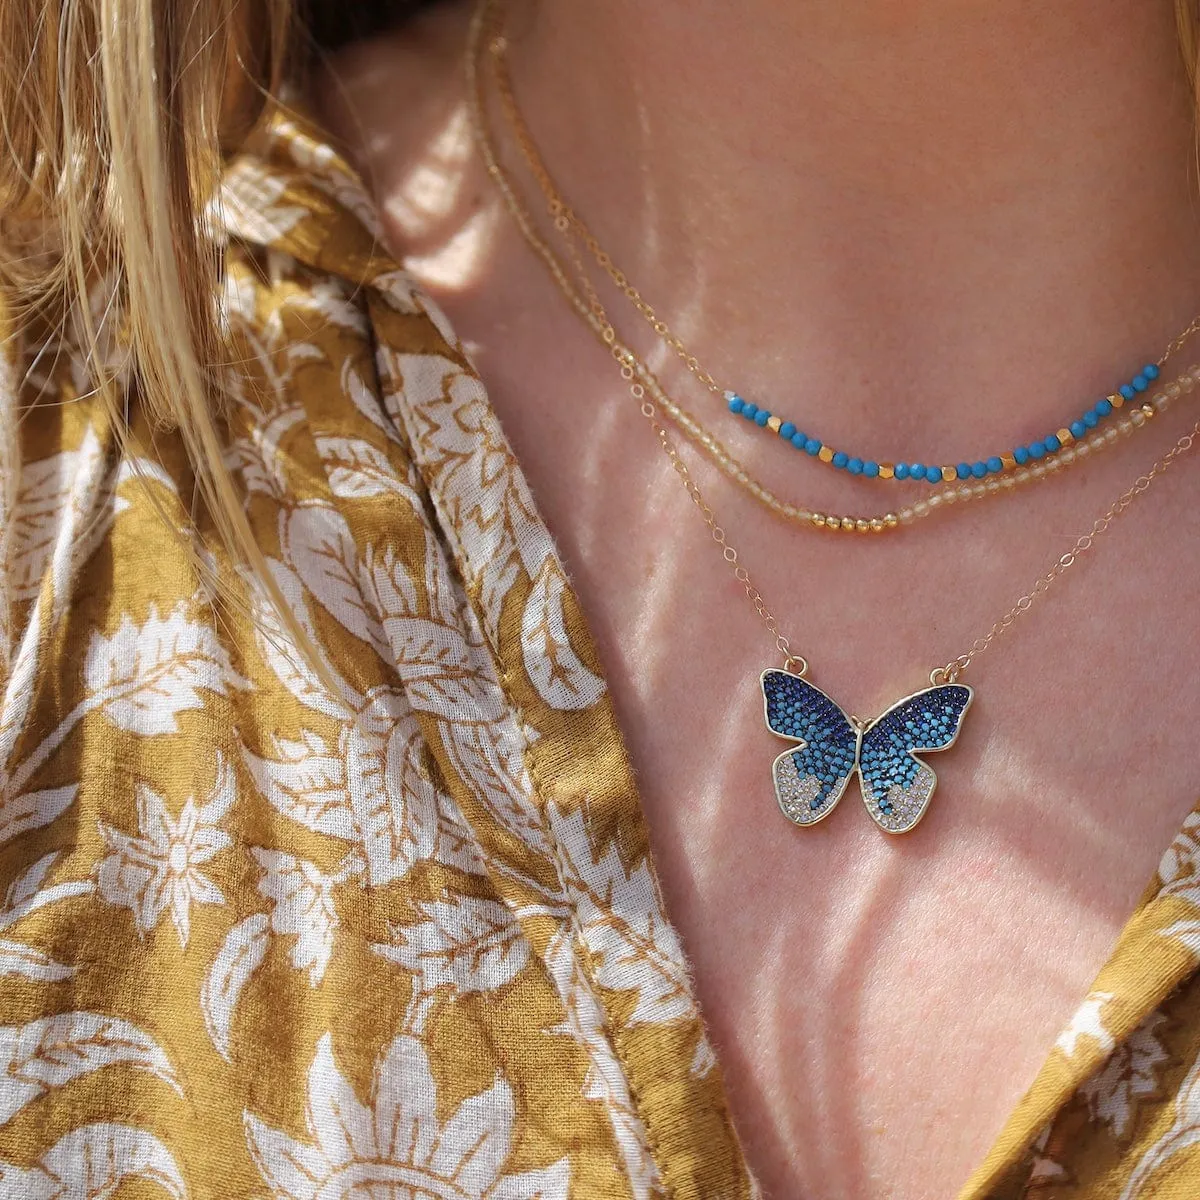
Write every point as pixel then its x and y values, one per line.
pixel 809 778
pixel 896 784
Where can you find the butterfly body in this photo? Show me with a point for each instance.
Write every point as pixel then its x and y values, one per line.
pixel 811 777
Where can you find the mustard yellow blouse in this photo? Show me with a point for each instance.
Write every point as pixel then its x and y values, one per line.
pixel 394 933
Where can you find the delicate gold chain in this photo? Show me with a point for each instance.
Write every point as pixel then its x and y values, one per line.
pixel 649 395
pixel 953 669
pixel 567 222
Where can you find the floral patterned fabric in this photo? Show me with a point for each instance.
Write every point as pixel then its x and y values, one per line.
pixel 388 928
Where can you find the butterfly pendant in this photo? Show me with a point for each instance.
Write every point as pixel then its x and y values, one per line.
pixel 896 785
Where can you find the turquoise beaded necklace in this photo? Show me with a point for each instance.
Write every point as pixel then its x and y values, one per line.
pixel 995 464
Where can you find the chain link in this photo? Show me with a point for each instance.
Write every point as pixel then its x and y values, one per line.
pixel 954 669
pixel 647 392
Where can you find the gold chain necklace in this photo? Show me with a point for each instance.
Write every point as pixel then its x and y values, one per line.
pixel 828 746
pixel 961 493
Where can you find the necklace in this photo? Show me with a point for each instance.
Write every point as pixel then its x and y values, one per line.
pixel 828 746
pixel 1018 470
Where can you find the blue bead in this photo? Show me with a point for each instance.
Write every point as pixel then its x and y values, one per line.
pixel 841 458
pixel 762 417
pixel 900 470
pixel 1053 444
pixel 1078 429
pixel 855 466
pixel 963 470
pixel 916 470
pixel 1037 449
pixel 787 431
pixel 812 446
pixel 749 411
pixel 1021 454
pixel 736 404
pixel 979 470
pixel 799 441
pixel 933 474
pixel 995 465
pixel 1140 382
pixel 1103 407
pixel 1090 419
pixel 1127 391
pixel 1150 370
pixel 871 469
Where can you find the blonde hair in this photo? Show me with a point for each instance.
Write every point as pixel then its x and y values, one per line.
pixel 116 116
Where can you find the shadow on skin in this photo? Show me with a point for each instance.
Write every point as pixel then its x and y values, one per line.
pixel 1018 822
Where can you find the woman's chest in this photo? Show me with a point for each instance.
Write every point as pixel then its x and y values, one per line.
pixel 879 1004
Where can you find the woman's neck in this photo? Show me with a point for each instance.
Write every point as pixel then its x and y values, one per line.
pixel 954 208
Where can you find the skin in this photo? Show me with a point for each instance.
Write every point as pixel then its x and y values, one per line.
pixel 932 228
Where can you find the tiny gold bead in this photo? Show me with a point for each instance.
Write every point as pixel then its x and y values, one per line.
pixel 948 473
pixel 876 525
pixel 848 525
pixel 891 520
pixel 818 519
pixel 1117 401
pixel 862 526
pixel 1065 436
pixel 774 423
pixel 1007 461
pixel 887 470
pixel 1149 410
pixel 825 454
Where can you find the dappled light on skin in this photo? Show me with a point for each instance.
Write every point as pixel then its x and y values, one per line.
pixel 831 962
pixel 455 264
